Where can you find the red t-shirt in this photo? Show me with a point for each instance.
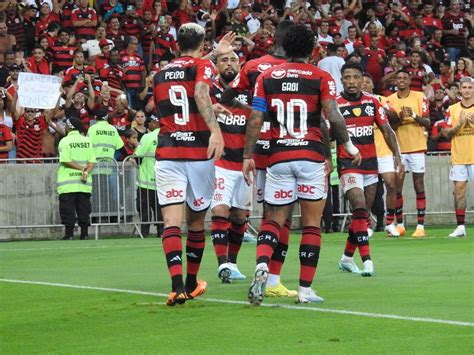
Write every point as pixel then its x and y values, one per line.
pixel 5 136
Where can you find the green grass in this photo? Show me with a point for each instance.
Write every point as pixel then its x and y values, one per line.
pixel 431 278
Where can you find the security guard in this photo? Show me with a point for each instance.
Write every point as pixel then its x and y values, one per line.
pixel 77 160
pixel 147 200
pixel 104 137
pixel 332 202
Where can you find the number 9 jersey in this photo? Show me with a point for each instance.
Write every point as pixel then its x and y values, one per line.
pixel 184 134
pixel 291 94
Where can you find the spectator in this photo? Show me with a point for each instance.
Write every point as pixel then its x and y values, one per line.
pixel 130 140
pixel 115 34
pixel 339 24
pixel 8 61
pixel 138 124
pixel 104 137
pixel 163 44
pixel 324 38
pixel 113 73
pixel 110 8
pixel 437 52
pixel 78 68
pixel 238 24
pixel 463 69
pixel 7 41
pixel 134 70
pixel 63 53
pixel 37 63
pixel 6 141
pixel 132 24
pixel 441 143
pixel 468 51
pixel 455 30
pixel 333 64
pixel 46 17
pixel 84 20
pixel 418 72
pixel 102 59
pixel 66 13
pixel 92 46
pixel 122 116
pixel 253 19
pixel 15 25
pixel 76 104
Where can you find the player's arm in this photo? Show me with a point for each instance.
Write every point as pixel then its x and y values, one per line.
pixel 451 132
pixel 327 144
pixel 204 105
pixel 332 113
pixel 392 142
pixel 254 125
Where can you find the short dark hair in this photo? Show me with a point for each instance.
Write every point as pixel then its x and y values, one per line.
pixel 190 36
pixel 403 70
pixel 38 46
pixel 332 48
pixel 281 31
pixel 352 65
pixel 63 31
pixel 298 42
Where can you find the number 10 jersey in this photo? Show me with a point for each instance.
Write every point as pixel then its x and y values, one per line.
pixel 291 94
pixel 184 134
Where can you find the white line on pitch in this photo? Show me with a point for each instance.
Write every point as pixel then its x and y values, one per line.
pixel 217 300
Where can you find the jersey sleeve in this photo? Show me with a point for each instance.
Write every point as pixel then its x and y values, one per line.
pixel 241 81
pixel 328 87
pixel 425 107
pixel 449 118
pixel 205 72
pixel 380 116
pixel 259 102
pixel 7 134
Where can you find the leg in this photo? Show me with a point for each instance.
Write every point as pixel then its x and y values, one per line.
pixel 419 184
pixel 460 201
pixel 378 207
pixel 143 207
pixel 327 214
pixel 370 192
pixel 400 178
pixel 219 232
pixel 238 225
pixel 83 209
pixel 195 244
pixel 67 213
pixel 155 206
pixel 335 207
pixel 391 196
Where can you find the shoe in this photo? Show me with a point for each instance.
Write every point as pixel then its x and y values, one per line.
pixel 419 233
pixel 235 273
pixel 368 269
pixel 379 228
pixel 336 228
pixel 257 287
pixel 401 230
pixel 370 232
pixel 200 289
pixel 459 232
pixel 178 297
pixel 84 237
pixel 249 238
pixel 67 238
pixel 279 291
pixel 392 231
pixel 223 272
pixel 348 266
pixel 307 295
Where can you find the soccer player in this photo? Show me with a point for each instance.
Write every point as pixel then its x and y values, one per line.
pixel 293 94
pixel 460 117
pixel 412 109
pixel 246 80
pixel 385 162
pixel 232 196
pixel 359 182
pixel 188 141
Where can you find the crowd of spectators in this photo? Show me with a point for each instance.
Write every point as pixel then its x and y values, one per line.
pixel 107 51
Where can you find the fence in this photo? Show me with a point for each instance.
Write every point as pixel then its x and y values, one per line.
pixel 28 198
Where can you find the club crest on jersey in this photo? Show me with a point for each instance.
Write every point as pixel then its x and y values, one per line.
pixel 357 111
pixel 263 66
pixel 278 73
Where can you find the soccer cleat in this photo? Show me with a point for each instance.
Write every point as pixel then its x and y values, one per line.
pixel 368 269
pixel 401 230
pixel 459 232
pixel 279 291
pixel 224 272
pixel 392 231
pixel 201 287
pixel 419 233
pixel 178 297
pixel 257 287
pixel 249 238
pixel 307 295
pixel 348 266
pixel 235 273
pixel 370 232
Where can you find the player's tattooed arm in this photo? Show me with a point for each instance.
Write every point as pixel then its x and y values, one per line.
pixel 332 113
pixel 326 138
pixel 204 105
pixel 252 132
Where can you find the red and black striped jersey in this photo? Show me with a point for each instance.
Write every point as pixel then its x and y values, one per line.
pixel 164 43
pixel 233 128
pixel 15 27
pixel 133 67
pixel 291 93
pixel 66 12
pixel 42 24
pixel 5 136
pixel 246 80
pixel 114 76
pixel 131 27
pixel 62 57
pixel 84 114
pixel 84 32
pixel 184 134
pixel 71 74
pixel 146 36
pixel 360 115
pixel 417 75
pixel 29 137
pixel 117 38
pixel 121 121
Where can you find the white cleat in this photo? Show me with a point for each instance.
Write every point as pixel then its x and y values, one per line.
pixel 348 265
pixel 392 231
pixel 370 232
pixel 224 272
pixel 459 232
pixel 307 295
pixel 235 273
pixel 257 287
pixel 368 269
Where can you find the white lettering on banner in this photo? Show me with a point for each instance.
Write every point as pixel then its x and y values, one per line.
pixel 38 91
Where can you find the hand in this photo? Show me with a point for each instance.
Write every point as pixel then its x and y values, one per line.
pixel 357 159
pixel 249 170
pixel 216 145
pixel 213 15
pixel 329 166
pixel 399 168
pixel 406 112
pixel 84 176
pixel 463 118
pixel 220 109
pixel 225 44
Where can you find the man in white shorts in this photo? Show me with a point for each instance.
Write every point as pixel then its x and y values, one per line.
pixel 412 109
pixel 296 169
pixel 189 139
pixel 460 117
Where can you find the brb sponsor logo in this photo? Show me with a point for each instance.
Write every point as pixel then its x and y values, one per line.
pixel 173 193
pixel 364 131
pixel 198 202
pixel 305 189
pixel 282 194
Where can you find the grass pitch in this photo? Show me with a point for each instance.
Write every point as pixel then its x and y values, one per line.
pixel 423 283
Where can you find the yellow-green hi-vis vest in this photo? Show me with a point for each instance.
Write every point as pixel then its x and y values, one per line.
pixel 74 148
pixel 146 171
pixel 105 141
